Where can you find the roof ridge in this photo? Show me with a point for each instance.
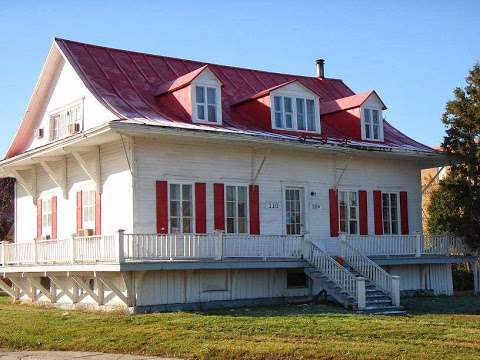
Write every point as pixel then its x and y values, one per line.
pixel 200 62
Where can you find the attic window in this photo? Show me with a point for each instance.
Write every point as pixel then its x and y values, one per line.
pixel 372 124
pixel 66 121
pixel 207 104
pixel 295 113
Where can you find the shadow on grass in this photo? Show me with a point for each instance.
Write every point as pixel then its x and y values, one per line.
pixel 455 305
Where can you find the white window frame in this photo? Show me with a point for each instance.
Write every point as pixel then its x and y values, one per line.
pixel 57 112
pixel 399 217
pixel 236 207
pixel 363 123
pixel 46 226
pixel 174 182
pixel 347 220
pixel 218 100
pixel 303 207
pixel 294 95
pixel 90 223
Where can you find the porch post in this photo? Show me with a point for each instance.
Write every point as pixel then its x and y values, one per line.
pixel 306 245
pixel 418 245
pixel 120 243
pixel 72 249
pixel 218 245
pixel 361 293
pixel 34 251
pixel 395 290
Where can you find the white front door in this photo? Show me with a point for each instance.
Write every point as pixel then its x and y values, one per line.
pixel 294 211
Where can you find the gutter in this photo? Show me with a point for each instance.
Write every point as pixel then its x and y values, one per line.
pixel 146 129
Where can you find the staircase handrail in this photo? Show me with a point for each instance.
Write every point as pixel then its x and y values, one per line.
pixel 369 269
pixel 337 273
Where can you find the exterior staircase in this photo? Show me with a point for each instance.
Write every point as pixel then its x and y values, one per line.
pixel 365 288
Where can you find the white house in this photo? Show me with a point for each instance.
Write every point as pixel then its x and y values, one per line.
pixel 153 183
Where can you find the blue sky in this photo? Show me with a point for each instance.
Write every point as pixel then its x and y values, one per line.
pixel 414 53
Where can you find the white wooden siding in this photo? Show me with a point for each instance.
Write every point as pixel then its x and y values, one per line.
pixel 116 195
pixel 436 277
pixel 66 89
pixel 164 160
pixel 178 287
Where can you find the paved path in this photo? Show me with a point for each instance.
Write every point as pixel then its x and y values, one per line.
pixel 67 355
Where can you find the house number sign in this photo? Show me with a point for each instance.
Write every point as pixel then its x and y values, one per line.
pixel 272 205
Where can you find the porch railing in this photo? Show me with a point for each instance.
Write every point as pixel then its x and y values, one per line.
pixel 123 247
pixel 407 245
pixel 210 246
pixel 89 249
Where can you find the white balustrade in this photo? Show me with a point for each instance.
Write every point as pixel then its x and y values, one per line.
pixel 369 269
pixel 406 245
pixel 354 286
pixel 210 246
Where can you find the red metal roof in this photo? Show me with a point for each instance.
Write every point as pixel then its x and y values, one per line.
pixel 128 83
pixel 347 103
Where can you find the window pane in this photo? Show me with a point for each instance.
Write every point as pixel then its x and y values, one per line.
pixel 376 124
pixel 353 227
pixel 200 94
pixel 174 208
pixel 288 104
pixel 278 120
pixel 242 225
pixel 175 225
pixel 230 209
pixel 211 96
pixel 242 194
pixel 187 208
pixel 230 193
pixel 301 114
pixel 366 113
pixel 311 115
pixel 174 192
pixel 201 112
pixel 278 103
pixel 212 113
pixel 187 225
pixel 288 121
pixel 230 225
pixel 187 192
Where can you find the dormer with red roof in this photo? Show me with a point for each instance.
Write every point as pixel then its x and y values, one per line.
pixel 357 117
pixel 197 94
pixel 287 107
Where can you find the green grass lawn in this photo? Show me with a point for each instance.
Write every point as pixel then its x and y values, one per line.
pixel 439 328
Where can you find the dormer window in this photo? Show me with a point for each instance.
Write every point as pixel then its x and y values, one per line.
pixel 372 128
pixel 295 113
pixel 207 104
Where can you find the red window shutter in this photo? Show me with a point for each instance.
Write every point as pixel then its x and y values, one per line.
pixel 218 206
pixel 333 197
pixel 39 219
pixel 200 208
pixel 54 217
pixel 162 207
pixel 404 212
pixel 362 202
pixel 79 211
pixel 98 213
pixel 377 210
pixel 254 206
